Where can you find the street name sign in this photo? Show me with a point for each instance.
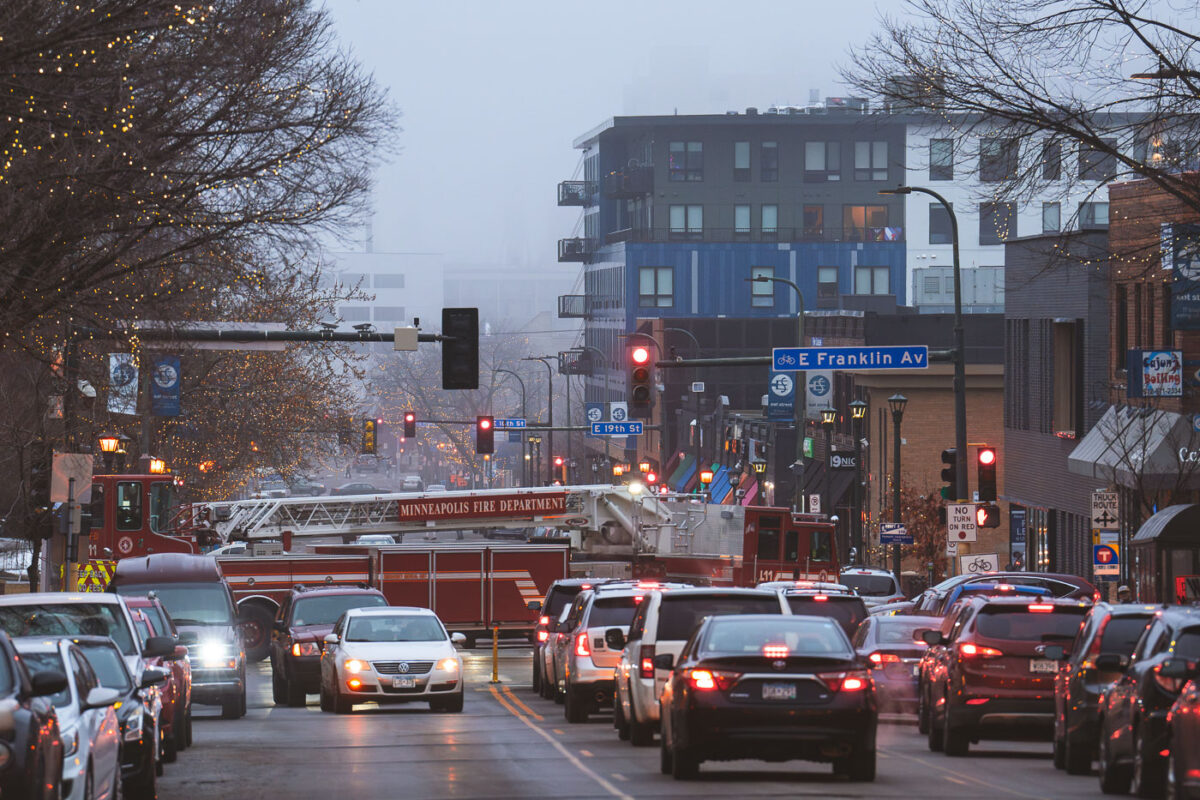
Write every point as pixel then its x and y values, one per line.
pixel 960 522
pixel 894 533
pixel 792 359
pixel 509 424
pixel 616 428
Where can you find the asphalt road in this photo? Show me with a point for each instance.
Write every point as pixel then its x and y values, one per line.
pixel 510 743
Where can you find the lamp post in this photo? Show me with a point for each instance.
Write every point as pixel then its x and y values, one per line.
pixel 858 412
pixel 960 354
pixel 828 418
pixel 897 402
pixel 108 446
pixel 798 495
pixel 549 409
pixel 525 414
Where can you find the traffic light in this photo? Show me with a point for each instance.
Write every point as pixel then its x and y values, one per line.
pixel 950 474
pixel 410 425
pixel 485 435
pixel 986 459
pixel 345 430
pixel 370 431
pixel 987 516
pixel 641 396
pixel 41 463
pixel 460 352
pixel 651 477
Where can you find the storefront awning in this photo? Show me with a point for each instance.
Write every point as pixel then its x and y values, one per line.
pixel 1139 447
pixel 751 492
pixel 720 485
pixel 681 475
pixel 1174 524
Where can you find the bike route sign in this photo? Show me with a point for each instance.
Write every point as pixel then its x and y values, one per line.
pixel 792 359
pixel 983 562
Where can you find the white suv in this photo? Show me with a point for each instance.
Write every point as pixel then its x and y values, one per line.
pixel 876 587
pixel 660 628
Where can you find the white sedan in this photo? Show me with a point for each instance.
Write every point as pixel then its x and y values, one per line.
pixel 391 654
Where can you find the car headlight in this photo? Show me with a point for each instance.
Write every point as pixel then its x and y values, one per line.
pixel 70 740
pixel 133 726
pixel 354 666
pixel 305 649
pixel 213 655
pixel 448 665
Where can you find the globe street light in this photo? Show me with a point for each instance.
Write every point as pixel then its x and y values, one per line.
pixel 896 402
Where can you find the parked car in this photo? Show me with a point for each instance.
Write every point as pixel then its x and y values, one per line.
pixel 31 751
pixel 375 538
pixel 348 489
pixel 91 739
pixel 271 490
pixel 891 648
pixel 935 601
pixel 1107 630
pixel 761 686
pixel 663 622
pixel 177 689
pixel 1133 710
pixel 306 616
pixel 989 678
pixel 1183 732
pixel 137 714
pixel 558 597
pixel 412 483
pixel 303 486
pixel 391 655
pixel 231 549
pixel 876 587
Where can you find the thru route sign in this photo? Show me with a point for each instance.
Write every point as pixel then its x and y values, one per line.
pixel 960 522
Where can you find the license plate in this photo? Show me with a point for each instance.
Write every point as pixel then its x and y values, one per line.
pixel 779 691
pixel 916 672
pixel 1042 665
pixel 404 683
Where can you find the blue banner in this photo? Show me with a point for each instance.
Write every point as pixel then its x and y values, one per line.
pixel 781 396
pixel 792 359
pixel 165 386
pixel 1183 248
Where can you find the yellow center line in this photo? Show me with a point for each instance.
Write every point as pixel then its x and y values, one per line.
pixel 509 694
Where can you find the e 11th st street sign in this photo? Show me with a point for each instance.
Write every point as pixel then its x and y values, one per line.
pixel 791 359
pixel 509 424
pixel 616 428
pixel 894 533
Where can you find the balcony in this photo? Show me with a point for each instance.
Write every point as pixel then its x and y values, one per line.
pixel 629 182
pixel 572 306
pixel 576 193
pixel 811 234
pixel 574 250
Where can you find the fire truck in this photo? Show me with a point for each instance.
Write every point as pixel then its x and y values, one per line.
pixel 473 586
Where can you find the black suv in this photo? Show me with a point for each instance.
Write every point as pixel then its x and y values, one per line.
pixel 305 618
pixel 29 741
pixel 1133 711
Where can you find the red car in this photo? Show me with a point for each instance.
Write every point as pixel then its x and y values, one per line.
pixel 991 679
pixel 152 619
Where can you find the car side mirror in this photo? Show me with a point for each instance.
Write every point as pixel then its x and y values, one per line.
pixel 178 654
pixel 614 639
pixel 932 637
pixel 1054 652
pixel 152 676
pixel 534 605
pixel 47 682
pixel 1112 662
pixel 100 697
pixel 281 626
pixel 458 638
pixel 664 661
pixel 1177 668
pixel 332 639
pixel 159 647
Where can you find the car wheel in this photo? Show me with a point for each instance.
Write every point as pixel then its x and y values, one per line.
pixel 1147 768
pixel 619 719
pixel 278 688
pixel 666 764
pixel 922 715
pixel 548 688
pixel 89 785
pixel 342 704
pixel 641 734
pixel 326 705
pixel 455 704
pixel 231 707
pixel 146 785
pixel 1171 789
pixel 936 733
pixel 858 767
pixel 179 729
pixel 295 695
pixel 1078 757
pixel 537 675
pixel 575 707
pixel 685 766
pixel 169 751
pixel 189 726
pixel 256 637
pixel 1060 752
pixel 1114 778
pixel 955 740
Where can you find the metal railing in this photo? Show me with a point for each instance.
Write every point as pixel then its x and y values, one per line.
pixel 629 182
pixel 574 249
pixel 572 306
pixel 824 234
pixel 576 193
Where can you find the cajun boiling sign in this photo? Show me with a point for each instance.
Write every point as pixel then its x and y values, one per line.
pixel 1155 373
pixel 483 507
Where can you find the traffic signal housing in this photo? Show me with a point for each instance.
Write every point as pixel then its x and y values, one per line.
pixel 641 394
pixel 950 474
pixel 986 461
pixel 41 463
pixel 987 515
pixel 485 435
pixel 410 425
pixel 460 350
pixel 370 437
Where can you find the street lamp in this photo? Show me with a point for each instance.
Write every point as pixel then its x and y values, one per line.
pixel 828 419
pixel 549 409
pixel 858 412
pixel 960 353
pixel 108 446
pixel 525 414
pixel 158 466
pixel 896 402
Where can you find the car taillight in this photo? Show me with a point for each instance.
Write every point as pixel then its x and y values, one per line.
pixel 879 659
pixel 1168 685
pixel 854 681
pixel 820 598
pixel 646 660
pixel 543 620
pixel 705 680
pixel 775 650
pixel 581 645
pixel 1041 608
pixel 975 650
pixel 543 636
pixel 305 649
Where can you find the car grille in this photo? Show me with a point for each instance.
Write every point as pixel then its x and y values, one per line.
pixel 394 668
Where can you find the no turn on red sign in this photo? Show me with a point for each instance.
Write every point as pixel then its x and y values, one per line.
pixel 960 522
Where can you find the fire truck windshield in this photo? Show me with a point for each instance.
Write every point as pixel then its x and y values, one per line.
pixel 188 603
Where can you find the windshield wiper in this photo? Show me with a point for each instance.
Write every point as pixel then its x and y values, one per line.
pixel 186 621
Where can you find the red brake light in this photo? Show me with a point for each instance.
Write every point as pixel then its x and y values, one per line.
pixel 775 650
pixel 543 620
pixel 581 645
pixel 543 636
pixel 845 681
pixel 703 680
pixel 1043 608
pixel 879 659
pixel 820 598
pixel 646 660
pixel 971 650
pixel 853 684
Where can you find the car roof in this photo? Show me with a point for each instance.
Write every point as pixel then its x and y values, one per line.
pixel 841 598
pixel 1009 600
pixel 40 644
pixel 866 571
pixel 309 591
pixel 167 568
pixel 1180 614
pixel 389 611
pixel 774 618
pixel 93 641
pixel 59 598
pixel 700 591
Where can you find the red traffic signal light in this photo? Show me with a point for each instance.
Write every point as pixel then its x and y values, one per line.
pixel 651 477
pixel 986 461
pixel 640 355
pixel 641 396
pixel 987 516
pixel 410 425
pixel 485 435
pixel 485 423
pixel 558 461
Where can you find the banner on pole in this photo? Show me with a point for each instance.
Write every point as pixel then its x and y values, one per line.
pixel 165 385
pixel 122 383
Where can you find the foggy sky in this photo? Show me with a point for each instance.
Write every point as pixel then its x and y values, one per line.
pixel 493 94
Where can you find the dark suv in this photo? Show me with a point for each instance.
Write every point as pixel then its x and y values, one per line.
pixel 305 618
pixel 30 746
pixel 937 600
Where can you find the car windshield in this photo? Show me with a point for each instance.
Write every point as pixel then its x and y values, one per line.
pixel 398 628
pixel 847 611
pixel 1187 645
pixel 900 630
pixel 1017 623
pixel 1121 634
pixel 612 611
pixel 802 637
pixel 40 662
pixel 108 666
pixel 870 585
pixel 680 614
pixel 69 619
pixel 325 610
pixel 189 603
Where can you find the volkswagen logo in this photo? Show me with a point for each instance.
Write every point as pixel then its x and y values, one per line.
pixel 404 666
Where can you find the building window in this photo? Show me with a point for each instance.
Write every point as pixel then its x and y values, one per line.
pixel 355 313
pixel 1051 218
pixel 685 161
pixel 1051 160
pixel 1093 216
pixel 762 293
pixel 741 221
pixel 656 287
pixel 769 161
pixel 687 222
pixel 997 222
pixel 770 220
pixel 827 282
pixel 822 161
pixel 1068 379
pixel 389 281
pixel 940 230
pixel 741 161
pixel 392 315
pixel 997 159
pixel 870 161
pixel 941 159
pixel 814 222
pixel 1097 165
pixel 871 280
pixel 863 223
